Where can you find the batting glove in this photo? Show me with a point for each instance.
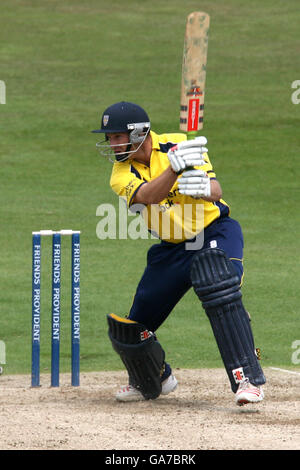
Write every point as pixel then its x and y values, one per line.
pixel 187 154
pixel 194 183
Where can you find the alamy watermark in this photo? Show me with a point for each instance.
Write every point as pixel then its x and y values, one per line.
pixel 296 94
pixel 296 354
pixel 170 222
pixel 2 352
pixel 2 92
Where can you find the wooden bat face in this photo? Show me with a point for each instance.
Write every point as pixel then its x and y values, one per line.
pixel 194 72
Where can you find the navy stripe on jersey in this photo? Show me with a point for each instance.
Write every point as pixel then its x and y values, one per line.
pixel 135 172
pixel 224 210
pixel 164 148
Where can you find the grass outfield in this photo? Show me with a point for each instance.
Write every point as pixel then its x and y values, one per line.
pixel 63 63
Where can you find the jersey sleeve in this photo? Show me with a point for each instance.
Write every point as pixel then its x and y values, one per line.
pixel 124 182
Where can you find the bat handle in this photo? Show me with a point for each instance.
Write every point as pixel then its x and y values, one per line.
pixel 191 135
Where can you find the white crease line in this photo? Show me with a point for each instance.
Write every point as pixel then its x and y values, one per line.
pixel 285 370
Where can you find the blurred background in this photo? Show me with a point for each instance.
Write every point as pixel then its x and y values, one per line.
pixel 62 64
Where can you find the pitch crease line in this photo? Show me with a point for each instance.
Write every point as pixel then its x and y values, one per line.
pixel 285 370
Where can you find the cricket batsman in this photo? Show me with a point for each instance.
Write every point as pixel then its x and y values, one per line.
pixel 171 181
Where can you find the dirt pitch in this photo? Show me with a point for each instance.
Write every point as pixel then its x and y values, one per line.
pixel 200 415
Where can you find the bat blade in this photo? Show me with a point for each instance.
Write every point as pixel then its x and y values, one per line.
pixel 194 72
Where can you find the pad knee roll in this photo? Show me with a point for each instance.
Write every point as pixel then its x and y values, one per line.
pixel 214 278
pixel 140 352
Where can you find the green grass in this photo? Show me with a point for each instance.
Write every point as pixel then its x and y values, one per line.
pixel 63 63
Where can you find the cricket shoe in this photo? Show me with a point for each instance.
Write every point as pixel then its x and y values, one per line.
pixel 248 393
pixel 130 393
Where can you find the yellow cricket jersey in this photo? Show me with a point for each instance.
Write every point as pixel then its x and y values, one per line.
pixel 177 217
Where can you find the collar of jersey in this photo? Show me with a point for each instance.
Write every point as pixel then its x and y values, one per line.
pixel 155 141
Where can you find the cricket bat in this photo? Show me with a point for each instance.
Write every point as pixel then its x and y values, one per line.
pixel 194 73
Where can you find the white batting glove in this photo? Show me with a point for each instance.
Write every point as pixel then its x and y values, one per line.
pixel 194 183
pixel 187 154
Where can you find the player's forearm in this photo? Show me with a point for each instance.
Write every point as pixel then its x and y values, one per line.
pixel 157 189
pixel 215 191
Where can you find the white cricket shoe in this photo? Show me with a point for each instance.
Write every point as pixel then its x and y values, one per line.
pixel 248 393
pixel 169 385
pixel 129 393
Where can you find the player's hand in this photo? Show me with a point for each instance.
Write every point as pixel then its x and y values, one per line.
pixel 187 154
pixel 194 183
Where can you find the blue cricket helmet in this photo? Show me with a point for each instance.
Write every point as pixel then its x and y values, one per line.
pixel 121 116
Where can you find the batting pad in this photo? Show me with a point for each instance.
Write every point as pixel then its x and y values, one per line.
pixel 217 285
pixel 140 352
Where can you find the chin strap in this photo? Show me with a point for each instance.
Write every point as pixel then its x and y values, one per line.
pixel 124 156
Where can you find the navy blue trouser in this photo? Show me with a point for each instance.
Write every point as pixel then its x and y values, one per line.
pixel 167 276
